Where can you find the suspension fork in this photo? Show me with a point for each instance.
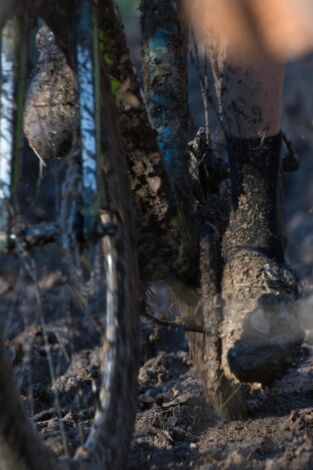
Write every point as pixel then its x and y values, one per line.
pixel 165 85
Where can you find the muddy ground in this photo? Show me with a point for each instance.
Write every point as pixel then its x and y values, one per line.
pixel 176 428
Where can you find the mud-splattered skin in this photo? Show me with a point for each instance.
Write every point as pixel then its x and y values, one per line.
pixel 249 91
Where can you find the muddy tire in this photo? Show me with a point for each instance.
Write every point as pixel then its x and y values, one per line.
pixel 102 272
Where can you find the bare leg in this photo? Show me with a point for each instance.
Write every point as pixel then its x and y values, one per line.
pixel 250 95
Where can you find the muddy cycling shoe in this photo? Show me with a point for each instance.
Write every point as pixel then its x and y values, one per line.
pixel 261 331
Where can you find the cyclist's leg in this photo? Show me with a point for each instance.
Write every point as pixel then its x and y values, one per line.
pixel 251 102
pixel 259 331
pixel 251 96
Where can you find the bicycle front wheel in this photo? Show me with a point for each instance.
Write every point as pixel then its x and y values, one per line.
pixel 69 280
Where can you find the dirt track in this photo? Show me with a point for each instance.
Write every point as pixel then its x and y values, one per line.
pixel 177 428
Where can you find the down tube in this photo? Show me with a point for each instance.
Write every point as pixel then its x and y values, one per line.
pixel 165 87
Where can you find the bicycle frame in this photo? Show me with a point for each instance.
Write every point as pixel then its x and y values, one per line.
pixel 165 69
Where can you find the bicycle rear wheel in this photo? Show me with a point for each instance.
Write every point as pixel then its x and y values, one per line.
pixel 69 282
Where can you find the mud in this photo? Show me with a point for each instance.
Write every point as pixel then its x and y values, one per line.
pixel 176 425
pixel 155 218
pixel 51 110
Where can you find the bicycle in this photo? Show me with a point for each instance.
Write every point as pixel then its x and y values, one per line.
pixel 176 219
pixel 93 288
